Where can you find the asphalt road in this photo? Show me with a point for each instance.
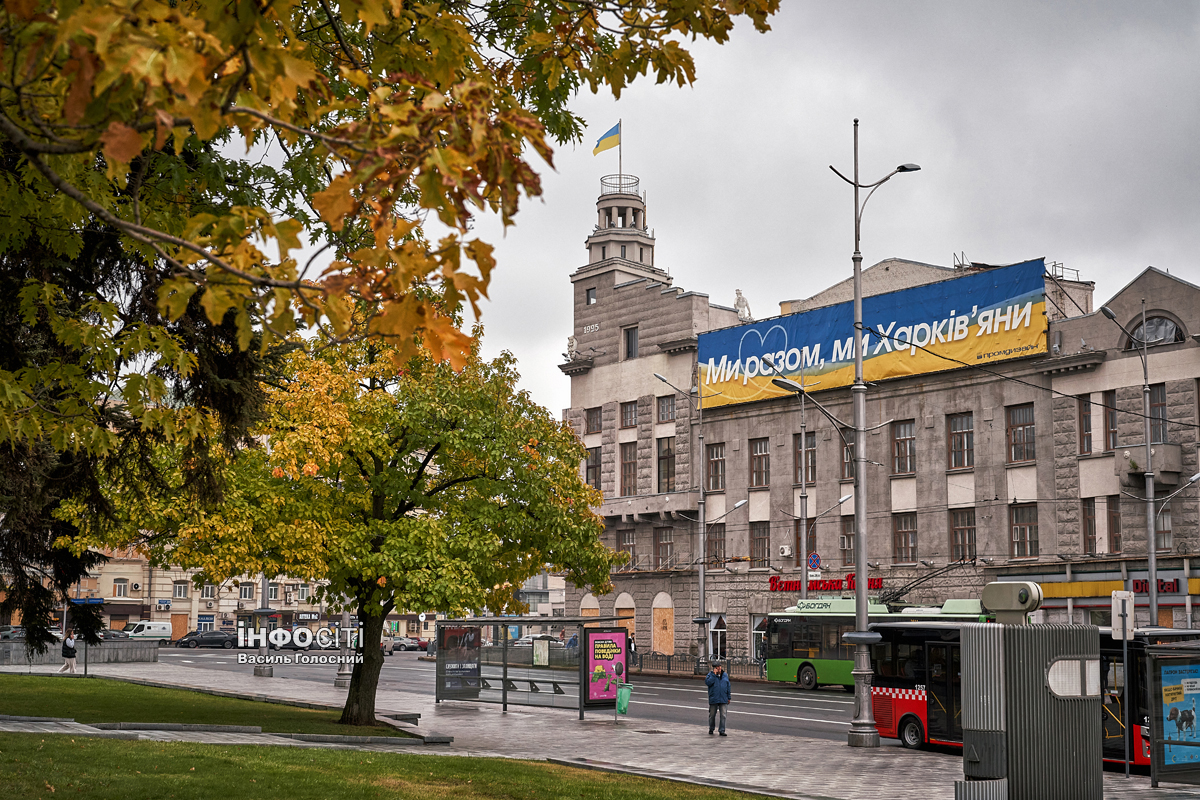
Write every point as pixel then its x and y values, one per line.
pixel 769 708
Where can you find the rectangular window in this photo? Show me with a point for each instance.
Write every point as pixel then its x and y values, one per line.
pixel 622 251
pixel 666 464
pixel 302 591
pixel 628 469
pixel 1020 427
pixel 120 588
pixel 715 545
pixel 593 421
pixel 760 462
pixel 1110 419
pixel 960 434
pixel 1162 527
pixel 1114 523
pixel 180 591
pixel 1089 525
pixel 904 447
pixel 1085 424
pixel 1158 413
pixel 807 456
pixel 626 544
pixel 904 538
pixel 716 467
pixel 962 534
pixel 846 541
pixel 1024 523
pixel 810 545
pixel 760 543
pixel 664 547
pixel 666 408
pixel 591 297
pixel 208 591
pixel 592 474
pixel 272 591
pixel 629 414
pixel 631 343
pixel 848 455
pixel 246 591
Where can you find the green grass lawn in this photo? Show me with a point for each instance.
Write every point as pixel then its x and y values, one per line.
pixel 103 769
pixel 97 700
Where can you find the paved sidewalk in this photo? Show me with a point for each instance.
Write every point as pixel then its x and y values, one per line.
pixel 783 766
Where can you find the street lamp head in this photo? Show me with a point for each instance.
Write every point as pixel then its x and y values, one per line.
pixel 1194 478
pixel 844 499
pixel 661 378
pixel 788 385
pixel 741 503
pixel 907 168
pixel 1108 312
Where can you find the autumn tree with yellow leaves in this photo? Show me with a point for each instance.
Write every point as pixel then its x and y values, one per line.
pixel 150 274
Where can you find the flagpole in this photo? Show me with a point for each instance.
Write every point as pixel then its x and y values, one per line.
pixel 620 157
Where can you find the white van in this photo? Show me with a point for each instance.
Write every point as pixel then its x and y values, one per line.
pixel 160 631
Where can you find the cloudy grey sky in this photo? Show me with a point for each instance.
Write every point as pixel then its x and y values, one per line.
pixel 1065 130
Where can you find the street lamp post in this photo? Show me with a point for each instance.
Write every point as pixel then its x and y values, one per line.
pixel 862 728
pixel 784 383
pixel 701 617
pixel 1151 533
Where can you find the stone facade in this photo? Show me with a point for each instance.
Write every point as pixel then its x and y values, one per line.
pixel 1045 493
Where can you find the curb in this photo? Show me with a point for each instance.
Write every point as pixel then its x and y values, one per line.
pixel 11 718
pixel 332 738
pixel 173 726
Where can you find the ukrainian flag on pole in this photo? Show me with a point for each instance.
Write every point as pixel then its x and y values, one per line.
pixel 609 140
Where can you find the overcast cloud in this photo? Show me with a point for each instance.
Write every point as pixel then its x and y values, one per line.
pixel 1066 130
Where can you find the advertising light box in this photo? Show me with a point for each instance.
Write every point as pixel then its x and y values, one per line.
pixel 979 318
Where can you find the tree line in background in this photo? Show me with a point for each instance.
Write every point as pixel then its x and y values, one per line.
pixel 156 323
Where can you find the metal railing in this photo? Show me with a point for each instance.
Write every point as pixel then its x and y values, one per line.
pixel 619 184
pixel 738 667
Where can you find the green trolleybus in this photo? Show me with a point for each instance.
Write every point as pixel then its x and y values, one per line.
pixel 803 644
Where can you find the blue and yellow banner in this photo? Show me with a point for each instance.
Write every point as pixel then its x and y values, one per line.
pixel 609 140
pixel 980 318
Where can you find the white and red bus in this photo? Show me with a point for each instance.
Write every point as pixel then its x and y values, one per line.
pixel 916 690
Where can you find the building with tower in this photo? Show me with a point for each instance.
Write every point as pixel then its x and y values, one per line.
pixel 1014 470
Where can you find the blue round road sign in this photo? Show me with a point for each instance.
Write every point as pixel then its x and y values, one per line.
pixel 814 561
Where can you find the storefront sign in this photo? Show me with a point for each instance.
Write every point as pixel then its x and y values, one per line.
pixel 978 318
pixel 307 616
pixel 1165 586
pixel 778 584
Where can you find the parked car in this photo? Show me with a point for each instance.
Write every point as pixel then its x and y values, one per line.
pixel 109 634
pixel 423 644
pixel 387 643
pixel 406 643
pixel 528 640
pixel 157 631
pixel 12 633
pixel 195 639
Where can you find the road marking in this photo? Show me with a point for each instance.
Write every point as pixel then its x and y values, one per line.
pixel 780 696
pixel 186 661
pixel 745 713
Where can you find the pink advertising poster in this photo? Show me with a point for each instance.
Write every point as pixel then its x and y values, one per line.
pixel 605 662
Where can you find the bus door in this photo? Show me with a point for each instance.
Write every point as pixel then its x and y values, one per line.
pixel 1112 710
pixel 943 691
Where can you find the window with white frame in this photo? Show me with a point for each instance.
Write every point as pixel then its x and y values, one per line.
pixel 272 591
pixel 246 591
pixel 120 587
pixel 180 590
pixel 208 591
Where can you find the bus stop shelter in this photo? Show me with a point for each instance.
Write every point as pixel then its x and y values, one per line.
pixel 1173 687
pixel 581 671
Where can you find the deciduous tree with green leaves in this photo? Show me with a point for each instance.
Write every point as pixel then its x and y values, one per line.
pixel 431 489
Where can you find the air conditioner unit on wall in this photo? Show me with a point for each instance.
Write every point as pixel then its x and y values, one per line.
pixel 241 606
pixel 785 551
pixel 210 604
pixel 136 587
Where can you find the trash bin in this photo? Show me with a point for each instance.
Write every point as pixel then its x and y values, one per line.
pixel 623 693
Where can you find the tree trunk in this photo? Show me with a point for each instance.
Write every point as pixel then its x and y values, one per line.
pixel 360 702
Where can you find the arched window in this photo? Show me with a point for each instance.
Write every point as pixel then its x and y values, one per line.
pixel 1156 331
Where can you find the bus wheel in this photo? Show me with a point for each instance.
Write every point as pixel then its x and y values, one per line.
pixel 807 677
pixel 912 735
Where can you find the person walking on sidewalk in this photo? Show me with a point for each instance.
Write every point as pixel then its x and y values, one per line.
pixel 719 693
pixel 68 652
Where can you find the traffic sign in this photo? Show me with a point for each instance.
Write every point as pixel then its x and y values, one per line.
pixel 814 560
pixel 1122 603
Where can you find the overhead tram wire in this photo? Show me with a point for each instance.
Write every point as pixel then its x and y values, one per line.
pixel 907 344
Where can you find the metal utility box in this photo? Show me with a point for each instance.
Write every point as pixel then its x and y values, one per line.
pixel 1031 712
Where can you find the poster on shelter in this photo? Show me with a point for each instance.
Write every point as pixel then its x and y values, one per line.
pixel 606 653
pixel 982 317
pixel 458 656
pixel 1180 689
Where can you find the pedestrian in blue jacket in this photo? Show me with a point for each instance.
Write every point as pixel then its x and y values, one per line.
pixel 719 693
